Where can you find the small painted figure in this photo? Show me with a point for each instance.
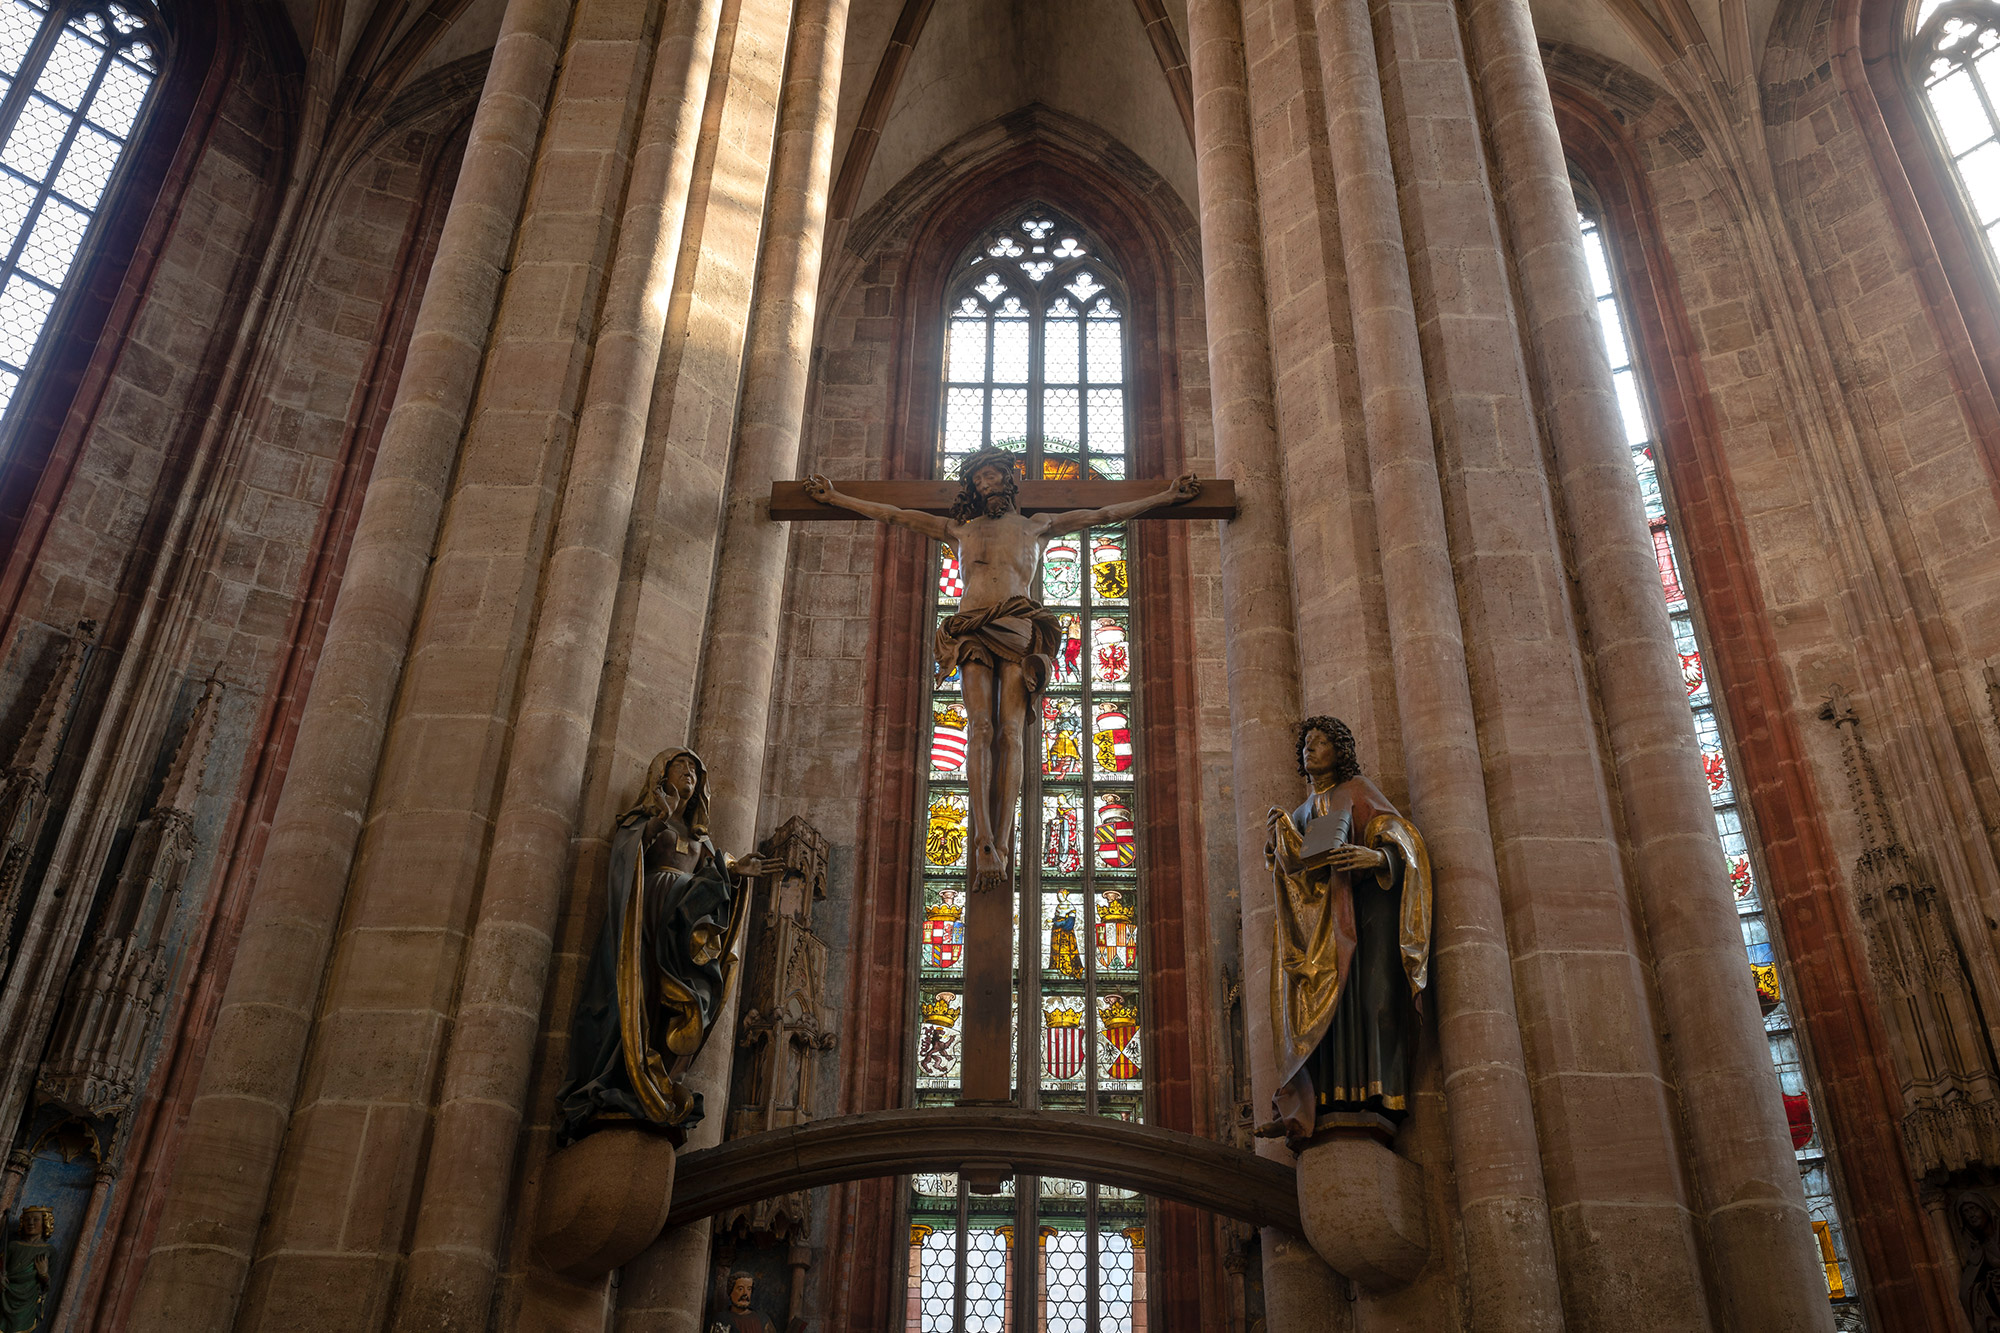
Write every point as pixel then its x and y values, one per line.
pixel 24 1271
pixel 1352 945
pixel 673 921
pixel 1065 960
pixel 743 1316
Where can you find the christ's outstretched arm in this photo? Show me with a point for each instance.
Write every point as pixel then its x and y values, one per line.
pixel 1184 488
pixel 822 490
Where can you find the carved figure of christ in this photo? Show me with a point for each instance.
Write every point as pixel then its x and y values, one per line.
pixel 994 637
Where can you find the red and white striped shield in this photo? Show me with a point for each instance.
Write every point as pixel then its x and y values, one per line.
pixel 947 738
pixel 1113 741
pixel 1062 1044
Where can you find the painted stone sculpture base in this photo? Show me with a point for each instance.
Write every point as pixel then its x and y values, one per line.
pixel 604 1199
pixel 1363 1209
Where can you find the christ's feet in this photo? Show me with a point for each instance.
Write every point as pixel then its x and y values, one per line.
pixel 989 868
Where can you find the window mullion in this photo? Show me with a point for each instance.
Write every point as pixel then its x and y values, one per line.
pixel 30 72
pixel 960 1242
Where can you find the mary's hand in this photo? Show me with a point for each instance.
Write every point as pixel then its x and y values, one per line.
pixel 753 867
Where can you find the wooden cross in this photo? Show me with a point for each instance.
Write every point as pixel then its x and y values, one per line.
pixel 790 503
pixel 987 990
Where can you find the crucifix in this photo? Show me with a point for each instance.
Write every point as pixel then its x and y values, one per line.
pixel 1001 642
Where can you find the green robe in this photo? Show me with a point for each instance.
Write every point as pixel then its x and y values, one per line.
pixel 24 1281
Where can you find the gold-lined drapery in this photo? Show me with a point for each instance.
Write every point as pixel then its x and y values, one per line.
pixel 1315 939
pixel 662 1096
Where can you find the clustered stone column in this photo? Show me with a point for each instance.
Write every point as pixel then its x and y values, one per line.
pixel 741 656
pixel 1262 645
pixel 236 1126
pixel 1503 1206
pixel 407 914
pixel 1768 1273
pixel 453 1257
pixel 1583 914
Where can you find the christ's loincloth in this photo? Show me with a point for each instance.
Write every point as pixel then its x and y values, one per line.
pixel 1019 629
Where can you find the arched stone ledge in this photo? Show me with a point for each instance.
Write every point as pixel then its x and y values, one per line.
pixel 1160 1162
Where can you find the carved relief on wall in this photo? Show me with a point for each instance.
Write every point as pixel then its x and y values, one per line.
pixel 24 784
pixel 1937 1038
pixel 785 1029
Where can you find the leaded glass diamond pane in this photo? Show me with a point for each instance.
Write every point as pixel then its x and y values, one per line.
pixel 1107 350
pixel 52 245
pixel 1981 169
pixel 1010 419
pixel 72 64
pixel 31 148
pixel 1062 421
pixel 86 168
pixel 1010 349
pixel 24 308
pixel 1107 421
pixel 19 22
pixel 965 361
pixel 17 198
pixel 1960 115
pixel 119 98
pixel 964 420
pixel 1059 350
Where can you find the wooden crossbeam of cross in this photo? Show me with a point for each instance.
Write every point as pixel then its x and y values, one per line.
pixel 1007 545
pixel 790 503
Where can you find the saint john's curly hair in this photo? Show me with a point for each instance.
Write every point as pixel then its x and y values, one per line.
pixel 1345 764
pixel 969 504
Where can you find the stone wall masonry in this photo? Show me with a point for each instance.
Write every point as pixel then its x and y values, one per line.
pixel 159 1122
pixel 1927 451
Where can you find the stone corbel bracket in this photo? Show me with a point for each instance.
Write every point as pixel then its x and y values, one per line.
pixel 1363 1211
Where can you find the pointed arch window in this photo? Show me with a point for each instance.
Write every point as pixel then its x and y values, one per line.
pixel 1036 362
pixel 1955 61
pixel 1795 1083
pixel 75 79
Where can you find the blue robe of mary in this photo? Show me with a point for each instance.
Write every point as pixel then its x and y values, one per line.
pixel 659 974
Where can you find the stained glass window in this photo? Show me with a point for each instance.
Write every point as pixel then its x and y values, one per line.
pixel 1956 61
pixel 1829 1231
pixel 1035 363
pixel 74 78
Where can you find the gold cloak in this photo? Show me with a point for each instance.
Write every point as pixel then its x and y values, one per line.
pixel 1314 938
